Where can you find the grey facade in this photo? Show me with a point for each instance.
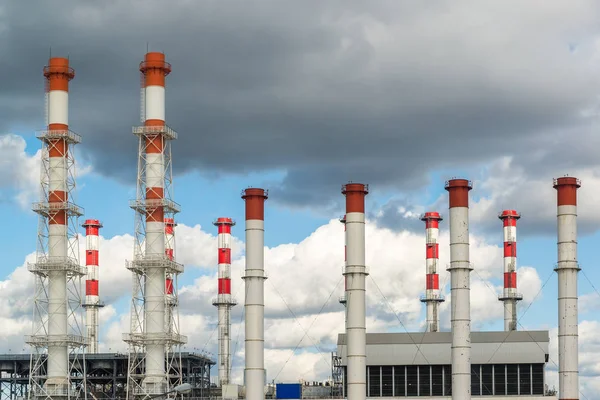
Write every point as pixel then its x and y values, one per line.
pixel 506 363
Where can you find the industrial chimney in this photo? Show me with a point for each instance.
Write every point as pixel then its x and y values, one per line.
pixel 224 301
pixel 567 269
pixel 92 299
pixel 355 274
pixel 152 339
pixel 57 321
pixel 460 269
pixel 254 305
pixel 509 296
pixel 432 296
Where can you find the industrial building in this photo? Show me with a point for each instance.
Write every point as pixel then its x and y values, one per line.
pixel 106 375
pixel 419 364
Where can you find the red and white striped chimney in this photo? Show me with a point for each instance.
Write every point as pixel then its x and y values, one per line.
pixel 170 252
pixel 224 301
pixel 355 273
pixel 460 270
pixel 92 297
pixel 567 270
pixel 254 278
pixel 510 296
pixel 432 296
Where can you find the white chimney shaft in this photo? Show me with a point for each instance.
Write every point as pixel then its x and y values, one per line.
pixel 567 269
pixel 460 269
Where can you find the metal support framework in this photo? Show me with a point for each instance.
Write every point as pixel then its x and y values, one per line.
pixel 106 375
pixel 154 332
pixel 57 363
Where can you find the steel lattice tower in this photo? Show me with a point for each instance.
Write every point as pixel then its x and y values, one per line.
pixel 153 338
pixel 57 341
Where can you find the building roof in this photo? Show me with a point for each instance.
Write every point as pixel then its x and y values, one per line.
pixel 446 337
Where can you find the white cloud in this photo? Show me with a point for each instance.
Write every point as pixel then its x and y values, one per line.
pixel 304 278
pixel 21 172
pixel 589 353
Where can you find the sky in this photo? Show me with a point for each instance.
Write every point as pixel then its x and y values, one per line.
pixel 300 98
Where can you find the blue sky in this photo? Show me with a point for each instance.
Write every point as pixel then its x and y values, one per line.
pixel 204 199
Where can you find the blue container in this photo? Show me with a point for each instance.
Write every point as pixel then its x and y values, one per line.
pixel 288 391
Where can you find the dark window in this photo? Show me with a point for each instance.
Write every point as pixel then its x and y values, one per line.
pixel 437 373
pixel 387 390
pixel 412 380
pixel 512 379
pixel 424 381
pixel 525 378
pixel 447 380
pixel 374 382
pixel 476 380
pixel 537 377
pixel 399 383
pixel 499 379
pixel 487 380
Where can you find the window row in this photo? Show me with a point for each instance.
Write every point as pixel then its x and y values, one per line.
pixel 436 380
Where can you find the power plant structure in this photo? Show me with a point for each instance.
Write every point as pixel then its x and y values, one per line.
pixel 460 289
pixel 224 301
pixel 567 269
pixel 171 317
pixel 355 274
pixel 254 303
pixel 57 340
pixel 92 296
pixel 152 336
pixel 509 296
pixel 505 364
pixel 65 362
pixel 432 297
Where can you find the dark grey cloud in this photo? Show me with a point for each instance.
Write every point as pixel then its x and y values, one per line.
pixel 326 91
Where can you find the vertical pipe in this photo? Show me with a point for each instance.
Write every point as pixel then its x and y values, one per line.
pixel 509 295
pixel 224 301
pixel 254 372
pixel 432 296
pixel 355 273
pixel 567 269
pixel 155 69
pixel 343 297
pixel 92 283
pixel 460 269
pixel 58 74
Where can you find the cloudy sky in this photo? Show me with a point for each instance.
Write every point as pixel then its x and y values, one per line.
pixel 299 98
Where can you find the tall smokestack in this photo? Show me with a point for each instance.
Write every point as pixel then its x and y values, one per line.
pixel 567 269
pixel 432 296
pixel 57 318
pixel 509 295
pixel 92 298
pixel 254 372
pixel 224 301
pixel 152 338
pixel 355 274
pixel 343 297
pixel 460 269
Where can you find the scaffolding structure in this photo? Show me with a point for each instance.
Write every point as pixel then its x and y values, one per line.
pixel 154 332
pixel 57 367
pixel 106 375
